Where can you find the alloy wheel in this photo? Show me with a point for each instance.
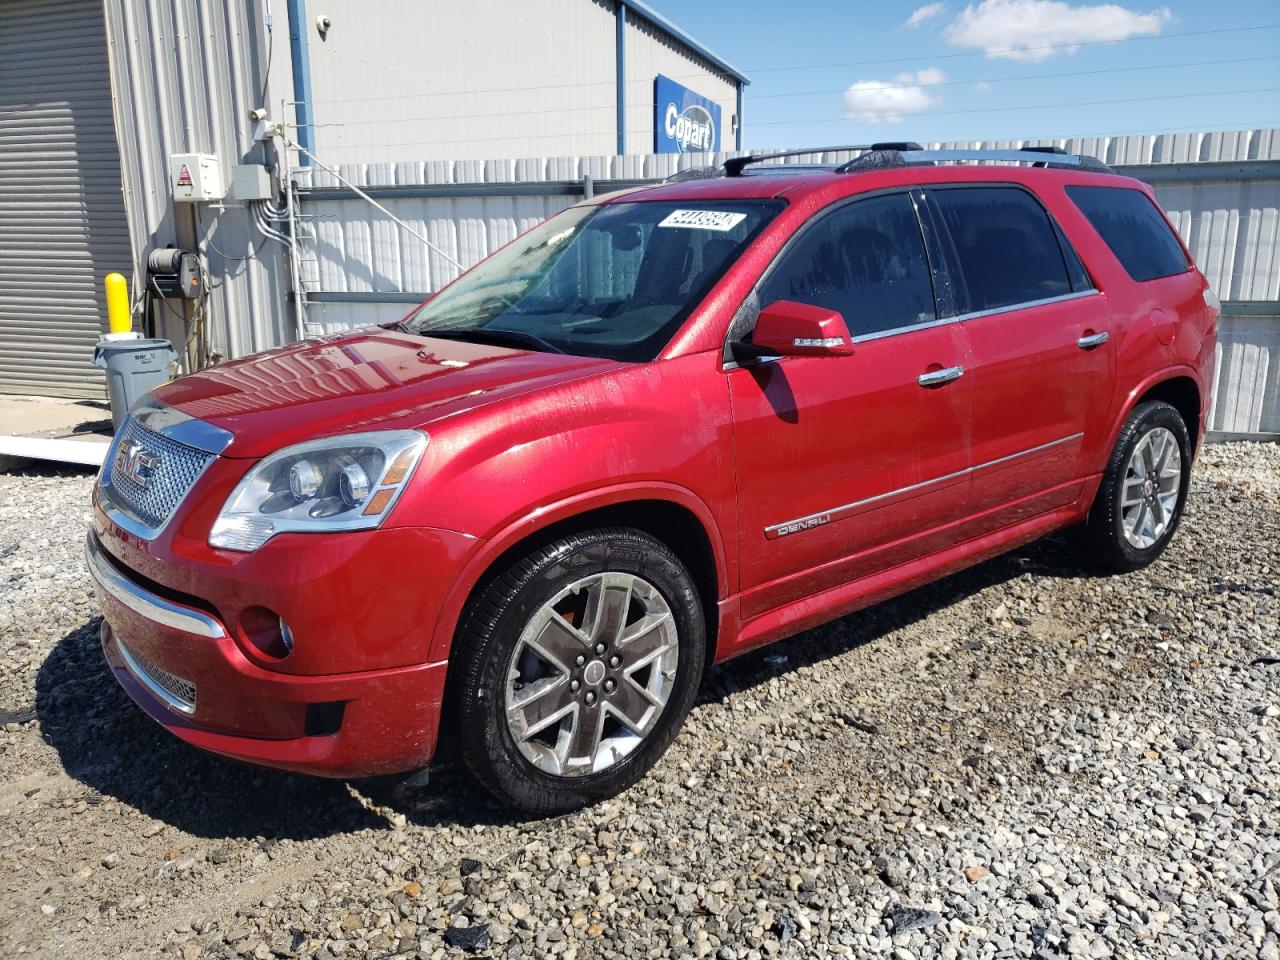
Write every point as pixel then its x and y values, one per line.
pixel 1152 481
pixel 591 674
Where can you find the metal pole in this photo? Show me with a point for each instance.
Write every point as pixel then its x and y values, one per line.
pixel 360 193
pixel 300 59
pixel 295 264
pixel 620 62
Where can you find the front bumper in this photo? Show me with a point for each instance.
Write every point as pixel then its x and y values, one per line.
pixel 184 668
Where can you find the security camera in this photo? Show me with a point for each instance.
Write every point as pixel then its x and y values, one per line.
pixel 323 24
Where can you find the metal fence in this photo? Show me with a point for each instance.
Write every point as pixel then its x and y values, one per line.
pixel 1221 190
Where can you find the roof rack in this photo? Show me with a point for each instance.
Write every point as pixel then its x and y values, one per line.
pixel 734 166
pixel 913 154
pixel 902 153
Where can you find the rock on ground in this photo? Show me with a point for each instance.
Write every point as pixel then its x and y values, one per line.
pixel 1025 759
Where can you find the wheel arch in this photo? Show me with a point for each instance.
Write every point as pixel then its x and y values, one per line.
pixel 670 514
pixel 1182 392
pixel 1178 386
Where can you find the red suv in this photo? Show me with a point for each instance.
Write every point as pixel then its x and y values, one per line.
pixel 660 429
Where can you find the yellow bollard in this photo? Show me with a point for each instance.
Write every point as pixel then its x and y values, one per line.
pixel 119 318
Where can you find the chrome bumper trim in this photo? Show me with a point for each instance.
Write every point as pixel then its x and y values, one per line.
pixel 145 603
pixel 144 677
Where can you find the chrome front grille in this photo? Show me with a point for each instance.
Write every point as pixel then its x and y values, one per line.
pixel 173 690
pixel 150 473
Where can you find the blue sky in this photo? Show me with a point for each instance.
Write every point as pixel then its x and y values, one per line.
pixel 991 69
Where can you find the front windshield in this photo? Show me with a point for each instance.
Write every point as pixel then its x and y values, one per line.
pixel 614 280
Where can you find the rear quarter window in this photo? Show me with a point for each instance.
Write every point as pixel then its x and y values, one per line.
pixel 1133 227
pixel 1006 247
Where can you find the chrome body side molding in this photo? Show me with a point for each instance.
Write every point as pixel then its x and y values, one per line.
pixel 848 510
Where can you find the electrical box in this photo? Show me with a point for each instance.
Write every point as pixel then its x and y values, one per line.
pixel 250 181
pixel 195 177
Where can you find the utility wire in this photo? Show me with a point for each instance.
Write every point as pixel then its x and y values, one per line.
pixel 1039 76
pixel 996 51
pixel 855 115
pixel 854 118
pixel 611 107
pixel 784 68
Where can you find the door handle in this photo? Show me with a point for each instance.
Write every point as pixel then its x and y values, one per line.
pixel 1093 340
pixel 936 378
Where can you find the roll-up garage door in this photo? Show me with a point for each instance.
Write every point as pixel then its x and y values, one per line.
pixel 62 221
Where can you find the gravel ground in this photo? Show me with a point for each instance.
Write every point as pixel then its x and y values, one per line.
pixel 1021 760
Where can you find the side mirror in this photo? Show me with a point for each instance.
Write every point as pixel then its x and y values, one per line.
pixel 786 328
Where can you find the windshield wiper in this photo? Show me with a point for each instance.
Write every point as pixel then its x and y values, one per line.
pixel 498 337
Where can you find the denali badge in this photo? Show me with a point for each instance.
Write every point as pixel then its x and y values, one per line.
pixel 795 526
pixel 136 464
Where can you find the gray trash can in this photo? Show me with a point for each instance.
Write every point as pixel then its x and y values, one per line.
pixel 133 367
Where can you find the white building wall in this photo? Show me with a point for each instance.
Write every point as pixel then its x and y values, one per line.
pixel 651 51
pixel 394 81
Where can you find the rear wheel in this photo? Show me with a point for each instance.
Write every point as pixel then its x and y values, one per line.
pixel 575 668
pixel 1144 488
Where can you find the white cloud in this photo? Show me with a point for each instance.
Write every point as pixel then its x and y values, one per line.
pixel 891 101
pixel 982 86
pixel 1023 29
pixel 927 12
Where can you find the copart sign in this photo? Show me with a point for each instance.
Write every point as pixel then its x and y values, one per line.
pixel 683 121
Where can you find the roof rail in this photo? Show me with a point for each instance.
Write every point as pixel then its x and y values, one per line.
pixel 872 156
pixel 1037 156
pixel 734 166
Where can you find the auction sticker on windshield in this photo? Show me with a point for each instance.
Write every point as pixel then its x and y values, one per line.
pixel 721 220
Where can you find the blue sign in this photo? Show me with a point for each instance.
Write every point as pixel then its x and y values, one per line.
pixel 683 121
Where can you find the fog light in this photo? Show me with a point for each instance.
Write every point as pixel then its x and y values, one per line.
pixel 286 636
pixel 266 633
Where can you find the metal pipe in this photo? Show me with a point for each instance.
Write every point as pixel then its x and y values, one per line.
pixel 620 81
pixel 300 60
pixel 295 262
pixel 360 193
pixel 737 130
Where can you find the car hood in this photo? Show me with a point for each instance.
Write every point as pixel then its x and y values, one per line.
pixel 367 380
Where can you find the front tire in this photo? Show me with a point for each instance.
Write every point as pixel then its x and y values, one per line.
pixel 1140 501
pixel 574 669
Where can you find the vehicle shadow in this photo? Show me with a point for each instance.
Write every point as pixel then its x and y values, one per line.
pixel 1051 556
pixel 107 743
pixel 451 798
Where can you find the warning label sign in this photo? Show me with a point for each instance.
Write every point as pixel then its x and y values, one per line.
pixel 184 176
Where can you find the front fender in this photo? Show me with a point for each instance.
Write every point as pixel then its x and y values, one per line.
pixel 653 431
pixel 543 517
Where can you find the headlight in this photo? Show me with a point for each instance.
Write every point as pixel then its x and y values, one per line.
pixel 340 483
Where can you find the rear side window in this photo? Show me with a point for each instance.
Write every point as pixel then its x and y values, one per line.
pixel 1006 246
pixel 1133 228
pixel 866 260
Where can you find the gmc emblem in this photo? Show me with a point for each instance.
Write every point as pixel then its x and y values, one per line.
pixel 136 464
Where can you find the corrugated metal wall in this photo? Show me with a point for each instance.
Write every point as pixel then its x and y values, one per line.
pixel 484 78
pixel 1231 225
pixel 651 51
pixel 62 224
pixel 1246 387
pixel 185 74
